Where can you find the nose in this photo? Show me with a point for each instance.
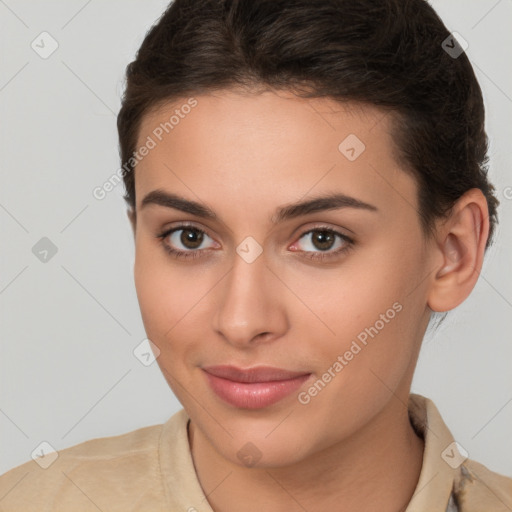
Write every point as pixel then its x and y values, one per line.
pixel 250 308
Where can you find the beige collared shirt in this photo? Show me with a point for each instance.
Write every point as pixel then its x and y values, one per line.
pixel 151 469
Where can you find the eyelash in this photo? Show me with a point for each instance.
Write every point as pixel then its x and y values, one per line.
pixel 315 256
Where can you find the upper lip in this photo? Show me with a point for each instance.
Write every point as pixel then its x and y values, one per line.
pixel 254 374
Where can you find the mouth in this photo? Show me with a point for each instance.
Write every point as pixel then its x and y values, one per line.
pixel 253 388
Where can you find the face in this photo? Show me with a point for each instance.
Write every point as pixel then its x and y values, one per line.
pixel 229 272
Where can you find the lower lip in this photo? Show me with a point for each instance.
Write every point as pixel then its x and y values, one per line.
pixel 254 395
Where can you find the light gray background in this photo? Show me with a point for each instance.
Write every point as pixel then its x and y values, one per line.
pixel 69 326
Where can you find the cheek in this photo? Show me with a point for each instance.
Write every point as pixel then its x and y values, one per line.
pixel 173 299
pixel 162 297
pixel 153 296
pixel 372 319
pixel 338 303
pixel 164 302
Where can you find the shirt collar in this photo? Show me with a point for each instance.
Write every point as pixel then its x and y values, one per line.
pixel 433 492
pixel 441 458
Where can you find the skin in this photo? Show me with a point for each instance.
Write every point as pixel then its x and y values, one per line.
pixel 244 155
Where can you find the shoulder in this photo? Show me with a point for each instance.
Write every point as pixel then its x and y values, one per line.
pixel 446 470
pixel 79 477
pixel 477 488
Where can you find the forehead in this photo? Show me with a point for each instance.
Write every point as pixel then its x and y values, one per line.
pixel 270 147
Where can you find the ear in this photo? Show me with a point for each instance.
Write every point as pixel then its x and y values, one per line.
pixel 132 217
pixel 460 243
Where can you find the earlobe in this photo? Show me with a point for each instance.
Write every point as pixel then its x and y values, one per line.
pixel 461 242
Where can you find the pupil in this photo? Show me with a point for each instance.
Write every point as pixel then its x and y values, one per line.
pixel 323 240
pixel 191 238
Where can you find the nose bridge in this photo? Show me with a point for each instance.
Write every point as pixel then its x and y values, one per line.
pixel 248 305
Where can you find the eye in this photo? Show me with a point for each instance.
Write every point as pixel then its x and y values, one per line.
pixel 185 241
pixel 322 243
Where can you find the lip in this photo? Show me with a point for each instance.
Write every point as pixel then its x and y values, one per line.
pixel 253 388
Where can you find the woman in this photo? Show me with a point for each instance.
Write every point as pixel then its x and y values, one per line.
pixel 307 187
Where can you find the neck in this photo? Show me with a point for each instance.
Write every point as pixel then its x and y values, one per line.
pixel 380 464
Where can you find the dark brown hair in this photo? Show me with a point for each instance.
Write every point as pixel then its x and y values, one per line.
pixel 393 54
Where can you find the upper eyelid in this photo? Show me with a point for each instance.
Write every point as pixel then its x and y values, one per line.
pixel 324 228
pixel 183 225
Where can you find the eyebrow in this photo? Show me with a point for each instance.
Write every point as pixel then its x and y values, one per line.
pixel 331 201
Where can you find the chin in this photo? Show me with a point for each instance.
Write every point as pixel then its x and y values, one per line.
pixel 268 455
